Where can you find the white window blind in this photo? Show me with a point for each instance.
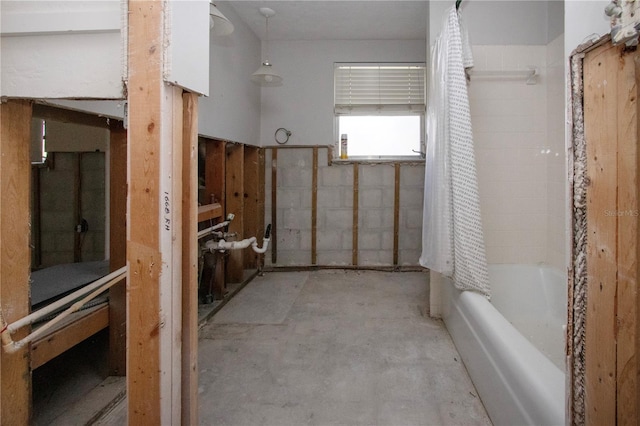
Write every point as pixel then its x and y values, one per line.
pixel 379 88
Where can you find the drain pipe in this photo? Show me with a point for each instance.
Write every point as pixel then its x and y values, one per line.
pixel 223 245
pixel 217 226
pixel 94 290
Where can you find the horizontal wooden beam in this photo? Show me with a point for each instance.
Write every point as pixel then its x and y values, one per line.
pixel 209 212
pixel 73 330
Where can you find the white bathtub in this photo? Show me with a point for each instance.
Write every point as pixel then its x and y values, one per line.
pixel 519 383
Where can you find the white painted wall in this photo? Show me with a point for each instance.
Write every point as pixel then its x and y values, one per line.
pixel 583 20
pixel 61 49
pixel 304 103
pixel 232 109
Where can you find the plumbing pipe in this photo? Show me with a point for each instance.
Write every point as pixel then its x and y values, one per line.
pixel 239 245
pixel 40 313
pixel 10 346
pixel 217 226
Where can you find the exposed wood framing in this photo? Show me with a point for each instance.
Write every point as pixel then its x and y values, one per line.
pixel 396 212
pixel 261 191
pixel 118 248
pixel 274 206
pixel 76 328
pixel 209 212
pixel 15 256
pixel 215 172
pixel 612 336
pixel 154 244
pixel 190 260
pixel 235 204
pixel 356 202
pixel 314 208
pixel 252 182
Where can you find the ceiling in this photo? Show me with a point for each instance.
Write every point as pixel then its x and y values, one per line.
pixel 337 19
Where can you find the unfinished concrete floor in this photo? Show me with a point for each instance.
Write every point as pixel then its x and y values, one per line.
pixel 333 347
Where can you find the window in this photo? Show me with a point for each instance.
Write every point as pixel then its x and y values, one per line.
pixel 380 107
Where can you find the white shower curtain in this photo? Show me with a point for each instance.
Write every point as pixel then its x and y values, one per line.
pixel 452 240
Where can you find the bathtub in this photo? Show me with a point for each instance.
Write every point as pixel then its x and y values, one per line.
pixel 513 346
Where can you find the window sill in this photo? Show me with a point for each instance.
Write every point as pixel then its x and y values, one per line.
pixel 379 160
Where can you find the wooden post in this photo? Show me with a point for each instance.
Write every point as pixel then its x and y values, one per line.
pixel 154 243
pixel 356 198
pixel 118 248
pixel 190 260
pixel 235 204
pixel 15 256
pixel 396 213
pixel 251 184
pixel 274 205
pixel 612 330
pixel 314 208
pixel 261 192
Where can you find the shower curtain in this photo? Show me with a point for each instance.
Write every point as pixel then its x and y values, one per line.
pixel 452 239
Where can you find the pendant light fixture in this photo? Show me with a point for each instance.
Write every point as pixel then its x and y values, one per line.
pixel 220 25
pixel 265 75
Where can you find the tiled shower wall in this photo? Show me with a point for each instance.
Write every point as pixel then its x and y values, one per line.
pixel 335 210
pixel 519 139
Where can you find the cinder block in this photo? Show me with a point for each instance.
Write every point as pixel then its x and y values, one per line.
pixel 301 158
pixel 329 240
pixel 411 197
pixel 409 257
pixel 339 219
pixel 57 221
pixel 305 198
pixel 410 240
pixel 288 239
pixel 305 240
pixel 371 198
pixel 412 176
pixel 64 161
pixel 388 197
pixel 293 258
pixel 289 198
pixel 373 218
pixel 413 218
pixel 56 258
pixel 375 257
pixel 371 176
pixel 369 240
pixel 330 197
pixel 294 177
pixel 47 241
pixel 65 241
pixel 335 257
pixel 297 219
pixel 337 175
pixel 93 180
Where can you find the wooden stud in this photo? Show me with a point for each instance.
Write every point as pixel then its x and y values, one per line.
pixel 73 330
pixel 117 248
pixel 15 256
pixel 250 217
pixel 235 204
pixel 274 206
pixel 396 213
pixel 215 172
pixel 261 200
pixel 190 260
pixel 154 244
pixel 628 412
pixel 314 208
pixel 601 133
pixel 356 198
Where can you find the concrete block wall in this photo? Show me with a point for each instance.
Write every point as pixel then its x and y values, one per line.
pixel 334 226
pixel 58 219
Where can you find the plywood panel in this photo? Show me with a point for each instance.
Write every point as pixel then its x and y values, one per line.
pixel 235 204
pixel 118 248
pixel 601 136
pixel 15 377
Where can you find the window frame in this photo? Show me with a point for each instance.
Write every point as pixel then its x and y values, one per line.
pixel 399 111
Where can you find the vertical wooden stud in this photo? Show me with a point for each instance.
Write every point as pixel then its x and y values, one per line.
pixel 314 208
pixel 215 172
pixel 251 185
pixel 261 200
pixel 190 260
pixel 235 204
pixel 117 247
pixel 15 256
pixel 601 133
pixel 274 205
pixel 396 213
pixel 356 198
pixel 154 243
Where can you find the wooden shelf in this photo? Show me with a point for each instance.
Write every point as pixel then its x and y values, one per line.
pixel 209 211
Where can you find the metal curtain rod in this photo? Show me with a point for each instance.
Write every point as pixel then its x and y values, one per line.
pixel 458 4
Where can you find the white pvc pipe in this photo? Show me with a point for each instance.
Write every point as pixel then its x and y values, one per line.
pixel 10 346
pixel 47 310
pixel 217 226
pixel 238 245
